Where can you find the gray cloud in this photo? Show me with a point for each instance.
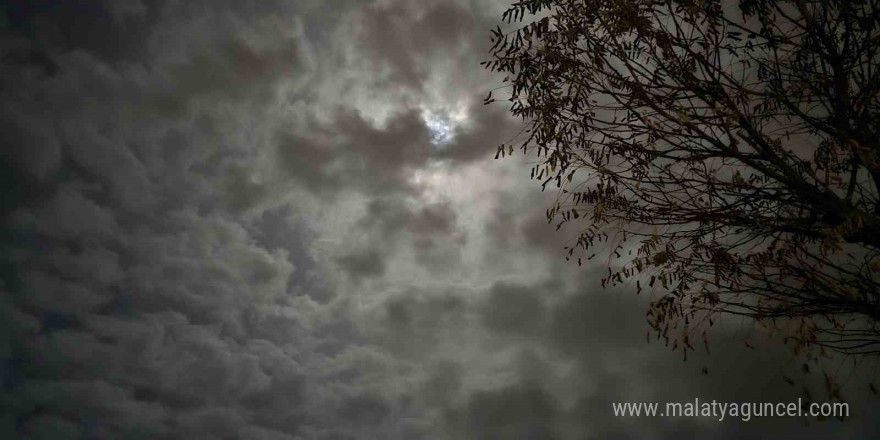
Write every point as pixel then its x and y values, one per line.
pixel 228 220
pixel 367 263
pixel 515 310
pixel 513 412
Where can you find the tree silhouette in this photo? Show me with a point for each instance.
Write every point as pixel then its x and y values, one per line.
pixel 726 153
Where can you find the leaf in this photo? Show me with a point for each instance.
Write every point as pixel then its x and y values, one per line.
pixel 682 117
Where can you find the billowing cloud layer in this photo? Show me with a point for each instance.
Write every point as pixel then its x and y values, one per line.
pixel 232 219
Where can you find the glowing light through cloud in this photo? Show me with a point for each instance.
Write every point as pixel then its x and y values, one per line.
pixel 440 129
pixel 442 124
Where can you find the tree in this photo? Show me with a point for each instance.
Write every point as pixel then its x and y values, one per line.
pixel 726 153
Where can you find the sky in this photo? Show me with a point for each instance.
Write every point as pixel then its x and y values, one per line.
pixel 274 219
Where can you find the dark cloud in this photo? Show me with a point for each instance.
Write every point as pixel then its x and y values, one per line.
pixel 515 310
pixel 308 162
pixel 351 153
pixel 389 216
pixel 431 231
pixel 513 412
pixel 113 31
pixel 368 263
pixel 404 36
pixel 279 228
pixel 231 219
pixel 579 324
pixel 518 221
pixel 365 409
pixel 443 382
pixel 414 323
pixel 131 295
pixel 489 127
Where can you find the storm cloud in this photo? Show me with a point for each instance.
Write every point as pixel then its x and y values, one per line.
pixel 236 219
